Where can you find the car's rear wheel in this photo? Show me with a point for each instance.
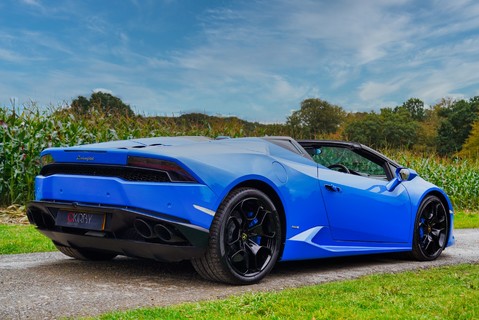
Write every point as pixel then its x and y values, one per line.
pixel 84 254
pixel 430 229
pixel 245 239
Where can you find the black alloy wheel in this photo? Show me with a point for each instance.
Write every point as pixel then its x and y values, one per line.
pixel 430 229
pixel 245 239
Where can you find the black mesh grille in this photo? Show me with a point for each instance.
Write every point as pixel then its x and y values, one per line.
pixel 125 173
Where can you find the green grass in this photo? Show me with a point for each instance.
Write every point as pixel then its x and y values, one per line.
pixel 23 239
pixel 466 220
pixel 441 293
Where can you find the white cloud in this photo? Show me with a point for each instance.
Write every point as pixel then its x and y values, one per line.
pixel 96 90
pixel 10 56
pixel 35 3
pixel 450 80
pixel 371 91
pixel 238 58
pixel 97 24
pixel 313 43
pixel 362 31
pixel 35 40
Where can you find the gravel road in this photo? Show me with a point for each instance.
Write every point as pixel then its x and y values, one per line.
pixel 51 285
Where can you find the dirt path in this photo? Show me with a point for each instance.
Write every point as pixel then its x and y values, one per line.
pixel 50 285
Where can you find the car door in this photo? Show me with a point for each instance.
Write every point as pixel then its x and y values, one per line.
pixel 358 205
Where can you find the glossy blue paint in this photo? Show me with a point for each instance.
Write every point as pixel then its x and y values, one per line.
pixel 364 210
pixel 326 213
pixel 176 200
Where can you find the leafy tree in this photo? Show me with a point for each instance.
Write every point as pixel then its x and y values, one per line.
pixel 471 146
pixel 80 105
pixel 364 130
pixel 102 101
pixel 456 126
pixel 428 128
pixel 415 107
pixel 388 129
pixel 316 117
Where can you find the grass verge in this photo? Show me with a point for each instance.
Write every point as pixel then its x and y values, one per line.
pixel 466 220
pixel 23 239
pixel 441 293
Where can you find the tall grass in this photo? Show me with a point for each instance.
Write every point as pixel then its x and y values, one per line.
pixel 25 132
pixel 458 177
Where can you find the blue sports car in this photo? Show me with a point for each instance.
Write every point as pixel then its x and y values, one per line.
pixel 235 207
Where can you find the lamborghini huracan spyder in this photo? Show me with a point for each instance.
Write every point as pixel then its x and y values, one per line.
pixel 235 207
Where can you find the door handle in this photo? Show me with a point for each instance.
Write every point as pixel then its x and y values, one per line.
pixel 332 187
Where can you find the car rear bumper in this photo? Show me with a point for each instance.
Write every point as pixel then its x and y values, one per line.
pixel 126 231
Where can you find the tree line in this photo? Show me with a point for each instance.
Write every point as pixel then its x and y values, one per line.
pixel 450 127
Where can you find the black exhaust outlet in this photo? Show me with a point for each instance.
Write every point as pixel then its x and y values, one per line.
pixel 167 234
pixel 143 228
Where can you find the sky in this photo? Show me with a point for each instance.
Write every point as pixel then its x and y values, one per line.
pixel 256 60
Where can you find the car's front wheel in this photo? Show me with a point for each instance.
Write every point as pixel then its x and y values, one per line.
pixel 245 239
pixel 430 229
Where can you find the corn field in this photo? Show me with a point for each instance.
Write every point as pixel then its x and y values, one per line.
pixel 459 177
pixel 25 133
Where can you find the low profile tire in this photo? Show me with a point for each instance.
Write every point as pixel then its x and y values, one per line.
pixel 83 254
pixel 245 239
pixel 430 230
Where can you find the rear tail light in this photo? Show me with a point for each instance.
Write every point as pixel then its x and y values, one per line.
pixel 174 171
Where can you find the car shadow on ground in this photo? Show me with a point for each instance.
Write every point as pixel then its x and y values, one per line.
pixel 330 264
pixel 123 268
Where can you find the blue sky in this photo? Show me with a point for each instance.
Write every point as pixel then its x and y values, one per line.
pixel 253 59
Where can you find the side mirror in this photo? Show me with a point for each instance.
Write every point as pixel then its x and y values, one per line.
pixel 402 174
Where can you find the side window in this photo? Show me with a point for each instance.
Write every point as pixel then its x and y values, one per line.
pixel 336 158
